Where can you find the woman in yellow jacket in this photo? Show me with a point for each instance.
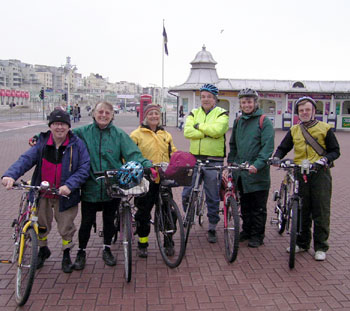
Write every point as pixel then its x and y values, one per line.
pixel 156 145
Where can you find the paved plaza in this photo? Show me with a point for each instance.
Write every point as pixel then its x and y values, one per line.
pixel 259 279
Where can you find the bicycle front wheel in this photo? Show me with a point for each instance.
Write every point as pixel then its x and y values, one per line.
pixel 189 216
pixel 127 243
pixel 231 230
pixel 201 209
pixel 26 266
pixel 169 230
pixel 293 232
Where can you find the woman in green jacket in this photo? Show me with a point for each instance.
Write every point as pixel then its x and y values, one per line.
pixel 252 140
pixel 108 145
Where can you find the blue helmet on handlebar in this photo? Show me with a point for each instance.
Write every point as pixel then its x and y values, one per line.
pixel 130 175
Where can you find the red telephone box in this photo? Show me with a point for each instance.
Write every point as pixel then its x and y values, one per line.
pixel 145 99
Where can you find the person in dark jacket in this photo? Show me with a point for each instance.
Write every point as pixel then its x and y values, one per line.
pixel 108 146
pixel 317 192
pixel 62 159
pixel 252 140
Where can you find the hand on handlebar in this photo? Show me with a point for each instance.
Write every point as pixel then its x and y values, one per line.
pixel 64 190
pixel 252 169
pixel 33 140
pixel 275 161
pixel 7 182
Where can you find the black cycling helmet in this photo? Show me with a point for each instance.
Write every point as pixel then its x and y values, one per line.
pixel 302 100
pixel 210 88
pixel 248 93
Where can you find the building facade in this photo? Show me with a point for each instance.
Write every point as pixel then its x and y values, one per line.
pixel 276 97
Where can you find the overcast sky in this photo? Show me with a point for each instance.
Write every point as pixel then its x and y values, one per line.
pixel 122 40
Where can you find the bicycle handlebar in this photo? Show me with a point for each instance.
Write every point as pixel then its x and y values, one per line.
pixel 44 186
pixel 286 164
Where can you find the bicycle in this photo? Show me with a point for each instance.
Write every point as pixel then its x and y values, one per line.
pixel 25 236
pixel 196 201
pixel 125 213
pixel 289 203
pixel 231 210
pixel 168 224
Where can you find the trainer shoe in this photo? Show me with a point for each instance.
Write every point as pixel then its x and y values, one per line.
pixel 108 258
pixel 297 249
pixel 80 260
pixel 43 254
pixel 255 243
pixel 212 236
pixel 142 252
pixel 320 255
pixel 67 266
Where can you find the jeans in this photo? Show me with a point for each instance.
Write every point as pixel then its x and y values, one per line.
pixel 211 188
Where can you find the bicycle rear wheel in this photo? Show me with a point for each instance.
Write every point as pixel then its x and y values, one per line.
pixel 189 216
pixel 293 232
pixel 169 230
pixel 281 215
pixel 231 230
pixel 201 209
pixel 26 267
pixel 127 243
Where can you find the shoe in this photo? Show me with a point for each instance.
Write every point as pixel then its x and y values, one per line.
pixel 169 246
pixel 320 255
pixel 142 252
pixel 255 243
pixel 43 254
pixel 108 258
pixel 297 249
pixel 80 261
pixel 243 236
pixel 212 236
pixel 67 266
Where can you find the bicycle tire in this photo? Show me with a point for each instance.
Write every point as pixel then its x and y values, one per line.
pixel 116 227
pixel 127 244
pixel 201 209
pixel 293 232
pixel 189 216
pixel 231 230
pixel 168 227
pixel 281 214
pixel 26 268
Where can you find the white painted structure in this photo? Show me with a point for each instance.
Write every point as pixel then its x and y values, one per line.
pixel 277 97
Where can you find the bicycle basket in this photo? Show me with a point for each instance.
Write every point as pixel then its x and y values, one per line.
pixel 114 191
pixel 181 168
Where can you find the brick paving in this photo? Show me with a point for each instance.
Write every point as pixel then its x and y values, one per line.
pixel 258 280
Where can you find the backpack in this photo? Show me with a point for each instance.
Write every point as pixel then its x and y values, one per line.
pixel 181 167
pixel 261 121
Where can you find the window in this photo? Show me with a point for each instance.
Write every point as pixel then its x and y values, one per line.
pixel 185 104
pixel 267 105
pixel 298 84
pixel 346 107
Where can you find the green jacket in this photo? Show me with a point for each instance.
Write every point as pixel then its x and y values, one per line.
pixel 209 138
pixel 107 149
pixel 250 143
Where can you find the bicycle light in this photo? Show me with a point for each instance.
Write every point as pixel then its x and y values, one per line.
pixel 305 167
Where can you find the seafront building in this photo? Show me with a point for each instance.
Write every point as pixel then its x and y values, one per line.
pixel 277 97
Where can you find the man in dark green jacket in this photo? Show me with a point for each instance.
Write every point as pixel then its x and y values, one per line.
pixel 252 140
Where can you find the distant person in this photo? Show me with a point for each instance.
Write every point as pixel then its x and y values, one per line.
pixel 181 117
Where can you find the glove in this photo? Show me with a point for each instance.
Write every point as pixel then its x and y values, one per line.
pixel 322 162
pixel 196 126
pixel 33 140
pixel 275 161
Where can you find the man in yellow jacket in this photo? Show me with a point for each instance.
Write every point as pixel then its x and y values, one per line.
pixel 206 127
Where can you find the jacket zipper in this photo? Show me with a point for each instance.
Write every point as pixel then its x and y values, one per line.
pixel 100 146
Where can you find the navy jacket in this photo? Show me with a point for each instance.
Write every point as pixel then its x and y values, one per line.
pixel 75 167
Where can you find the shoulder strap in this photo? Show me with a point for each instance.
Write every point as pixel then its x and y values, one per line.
pixel 261 121
pixel 312 141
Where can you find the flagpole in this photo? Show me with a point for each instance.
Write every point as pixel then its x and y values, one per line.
pixel 162 95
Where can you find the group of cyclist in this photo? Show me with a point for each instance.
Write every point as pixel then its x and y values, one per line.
pixel 68 159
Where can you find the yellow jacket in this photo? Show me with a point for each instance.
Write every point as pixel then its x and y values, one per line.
pixel 304 151
pixel 154 146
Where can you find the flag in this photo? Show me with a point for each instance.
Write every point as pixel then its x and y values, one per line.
pixel 165 40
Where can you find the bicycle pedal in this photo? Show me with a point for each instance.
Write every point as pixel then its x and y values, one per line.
pixel 14 223
pixel 42 229
pixel 100 234
pixel 276 195
pixel 274 221
pixel 6 261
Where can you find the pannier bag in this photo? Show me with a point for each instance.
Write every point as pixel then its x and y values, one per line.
pixel 181 167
